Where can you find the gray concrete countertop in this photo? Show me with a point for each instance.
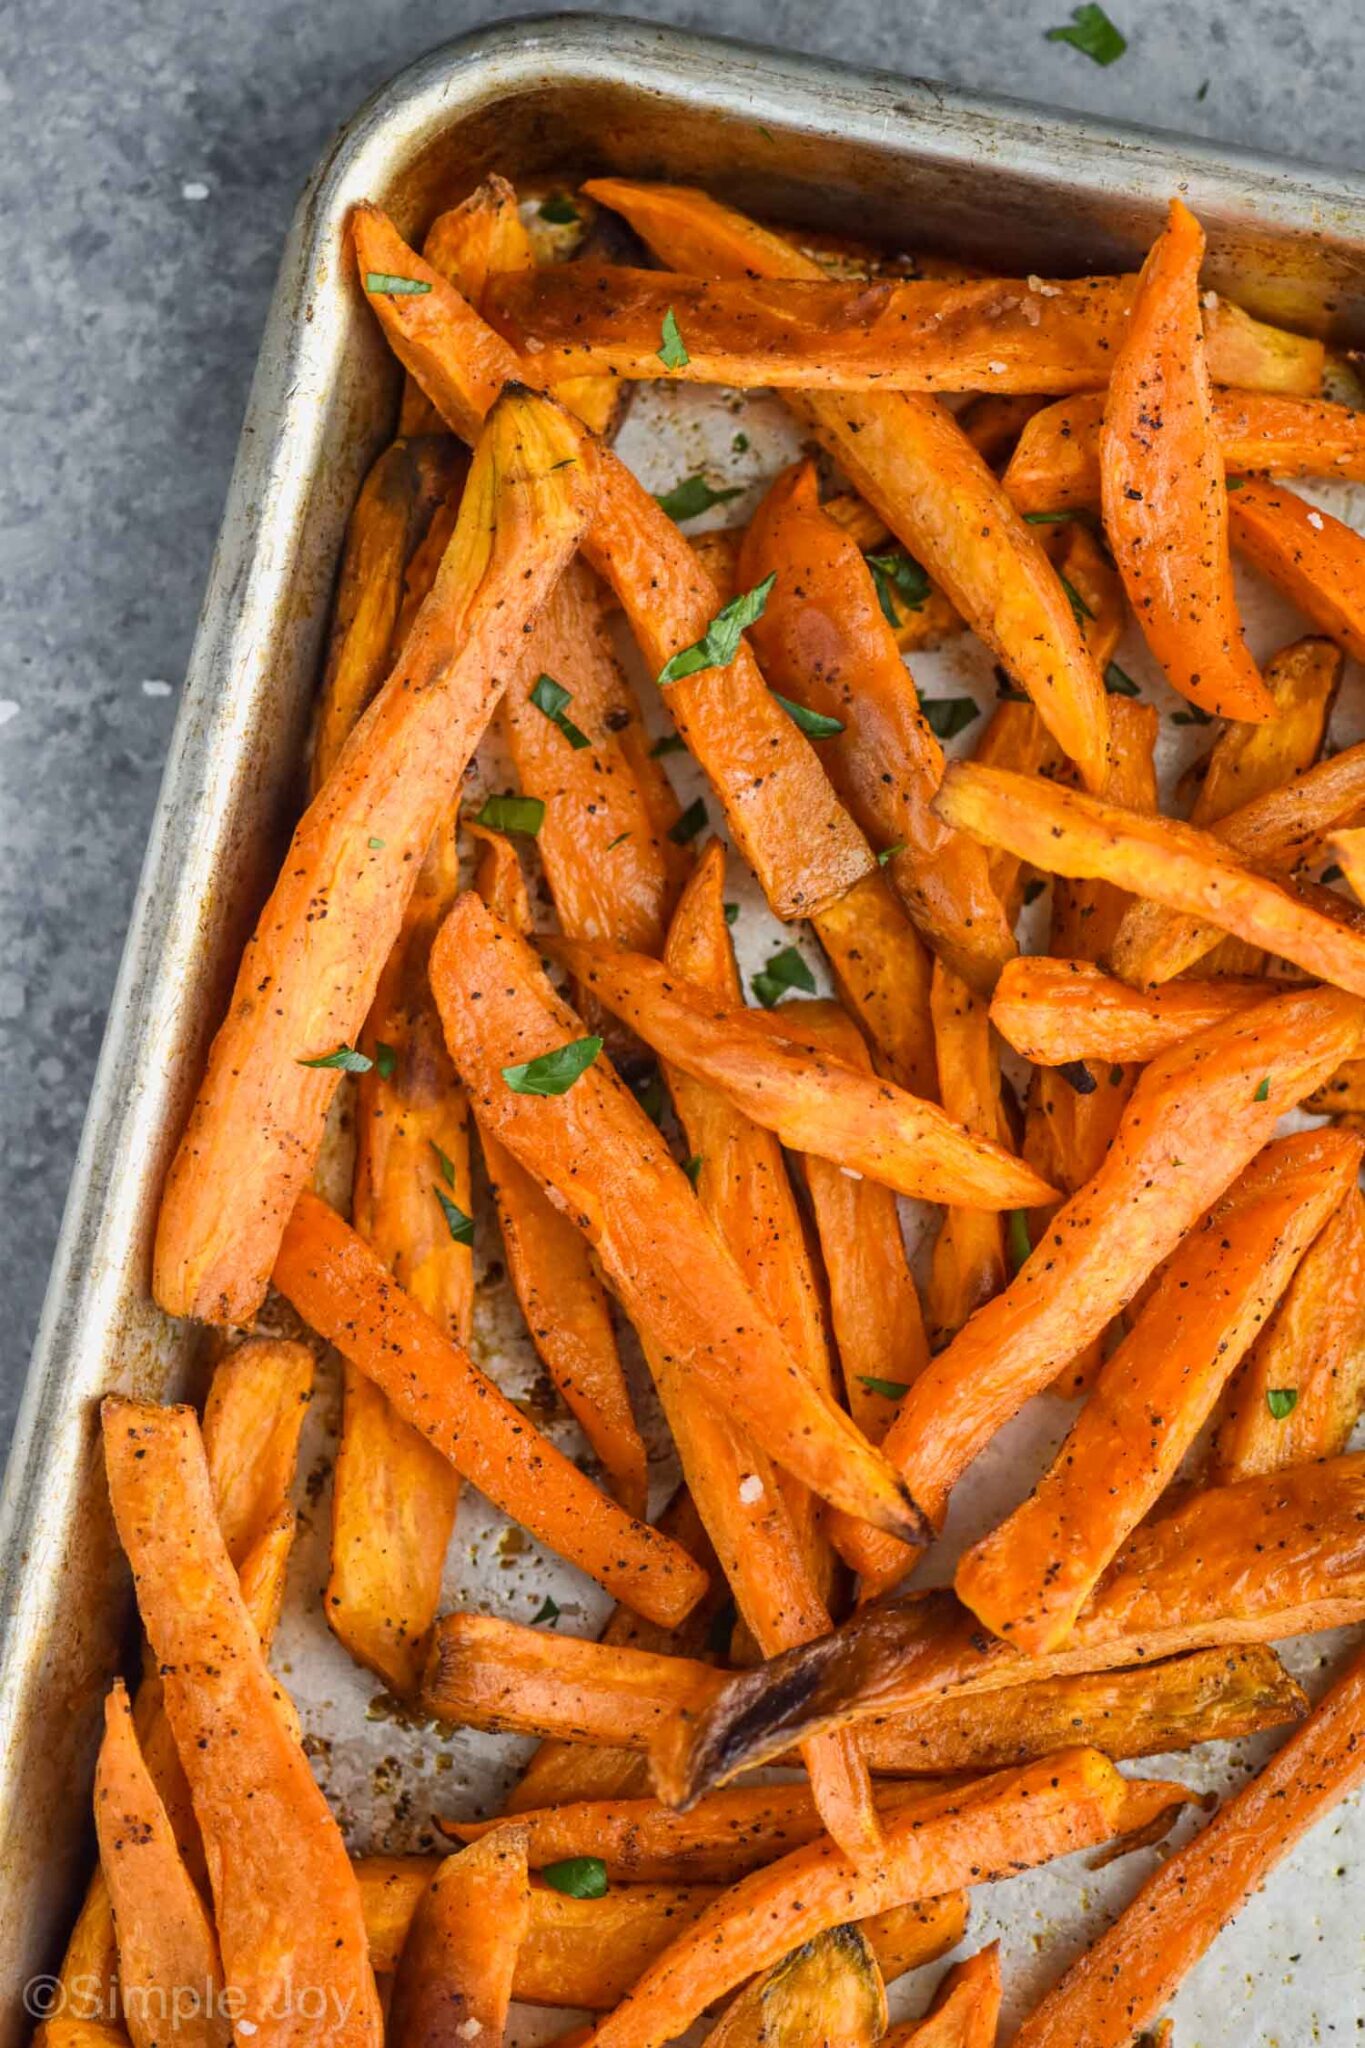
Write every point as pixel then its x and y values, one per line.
pixel 152 155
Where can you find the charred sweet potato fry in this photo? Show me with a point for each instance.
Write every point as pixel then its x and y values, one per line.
pixel 167 1950
pixel 824 642
pixel 588 1952
pixel 896 1655
pixel 286 1905
pixel 906 455
pixel 1171 864
pixel 1055 1011
pixel 763 769
pixel 1197 1117
pixel 595 1147
pixel 1056 461
pixel 1316 560
pixel 339 1287
pixel 993 1828
pixel 815 1103
pixel 969 1251
pixel 882 969
pixel 1299 1393
pixel 1124 1978
pixel 398 503
pixel 829 1989
pixel 455 1975
pixel 306 981
pixel 873 1300
pixel 1162 485
pixel 1029 1578
pixel 762 1525
pixel 720 1839
pixel 965 2011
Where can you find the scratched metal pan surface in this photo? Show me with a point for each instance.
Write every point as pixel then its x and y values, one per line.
pixel 1016 187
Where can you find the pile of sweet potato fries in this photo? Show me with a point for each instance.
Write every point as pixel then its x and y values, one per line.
pixel 1129 1222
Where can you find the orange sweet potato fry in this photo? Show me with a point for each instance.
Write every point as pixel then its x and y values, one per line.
pixel 1124 1978
pixel 167 1951
pixel 882 971
pixel 455 1975
pixel 824 643
pixel 1317 561
pixel 1054 1011
pixel 1015 738
pixel 993 1828
pixel 557 1285
pixel 873 1301
pixel 898 1656
pixel 1171 864
pixel 1197 1117
pixel 764 771
pixel 815 1103
pixel 1299 1393
pixel 829 1989
pixel 969 1251
pixel 906 455
pixel 1162 485
pixel 306 981
pixel 1056 461
pixel 1348 848
pixel 1029 1578
pixel 588 1952
pixel 286 1905
pixel 763 1525
pixel 965 2011
pixel 597 1150
pixel 339 1287
pixel 398 504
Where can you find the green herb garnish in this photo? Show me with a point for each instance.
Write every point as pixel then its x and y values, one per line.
pixel 897 575
pixel 1263 1092
pixel 547 1611
pixel 893 1389
pixel 1020 1244
pixel 525 814
pixel 671 743
pixel 559 210
pixel 731 912
pixel 582 1877
pixel 948 716
pixel 619 840
pixel 346 1057
pixel 461 1226
pixel 673 352
pixel 784 972
pixel 1080 609
pixel 553 1073
pixel 551 697
pixel 719 644
pixel 1191 715
pixel 445 1164
pixel 386 1059
pixel 1281 1401
pixel 692 497
pixel 692 821
pixel 1118 682
pixel 1092 33
pixel 397 287
pixel 376 845
pixel 692 1167
pixel 814 724
pixel 889 853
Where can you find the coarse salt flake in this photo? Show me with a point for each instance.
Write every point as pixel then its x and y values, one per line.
pixel 997 369
pixel 194 188
pixel 1210 300
pixel 8 710
pixel 1315 521
pixel 154 687
pixel 750 1489
pixel 470 2029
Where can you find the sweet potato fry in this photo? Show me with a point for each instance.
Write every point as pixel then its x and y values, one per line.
pixel 1125 1977
pixel 1015 738
pixel 965 2011
pixel 455 1975
pixel 819 333
pixel 596 1148
pixel 339 1287
pixel 1348 848
pixel 829 1989
pixel 286 1904
pixel 1171 864
pixel 874 1304
pixel 969 1251
pixel 906 455
pixel 1029 1578
pixel 882 969
pixel 1056 461
pixel 1180 1583
pixel 1162 485
pixel 588 1952
pixel 1055 1011
pixel 1249 761
pixel 397 505
pixel 720 1839
pixel 824 643
pixel 1299 1393
pixel 306 981
pixel 991 1829
pixel 763 769
pixel 1197 1117
pixel 1314 559
pixel 1342 1095
pixel 813 1102
pixel 167 1952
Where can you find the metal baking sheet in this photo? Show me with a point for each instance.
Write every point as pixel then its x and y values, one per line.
pixel 1018 187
